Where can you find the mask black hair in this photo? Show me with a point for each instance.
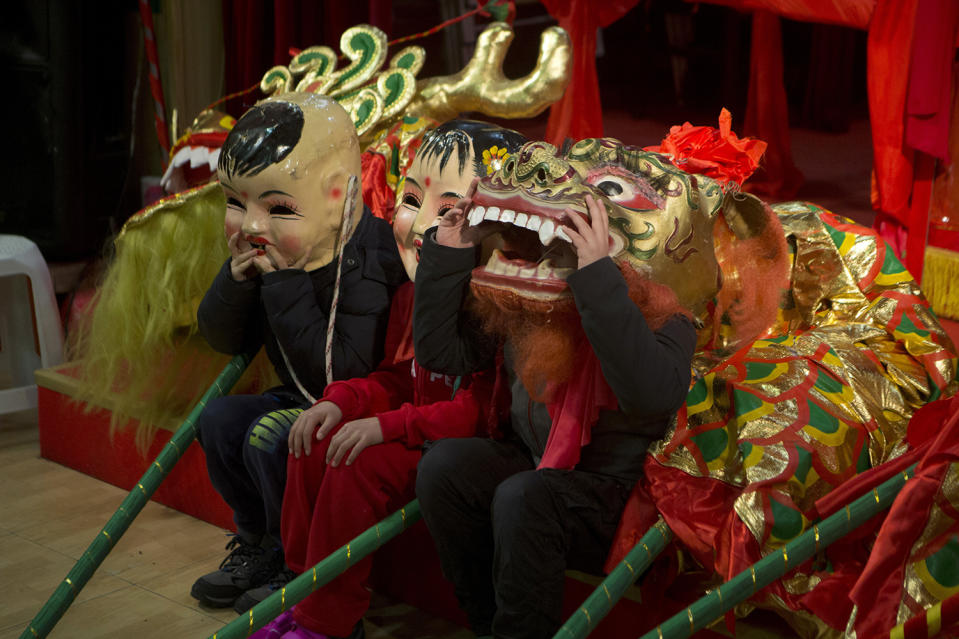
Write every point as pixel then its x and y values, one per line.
pixel 463 134
pixel 263 136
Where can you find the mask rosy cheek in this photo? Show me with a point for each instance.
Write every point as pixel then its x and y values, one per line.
pixel 230 226
pixel 290 247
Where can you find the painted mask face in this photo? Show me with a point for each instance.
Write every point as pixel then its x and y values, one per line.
pixel 660 218
pixel 285 170
pixel 451 156
pixel 429 191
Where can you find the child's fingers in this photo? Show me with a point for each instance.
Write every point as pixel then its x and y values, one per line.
pixel 291 436
pixel 299 435
pixel 240 266
pixel 325 427
pixel 291 442
pixel 577 240
pixel 577 237
pixel 276 258
pixel 472 188
pixel 263 264
pixel 455 215
pixel 294 440
pixel 301 262
pixel 581 225
pixel 306 440
pixel 354 453
pixel 341 442
pixel 599 221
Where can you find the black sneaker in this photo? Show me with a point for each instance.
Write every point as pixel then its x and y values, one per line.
pixel 254 596
pixel 247 566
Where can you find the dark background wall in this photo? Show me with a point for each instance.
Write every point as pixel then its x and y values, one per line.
pixel 69 69
pixel 77 124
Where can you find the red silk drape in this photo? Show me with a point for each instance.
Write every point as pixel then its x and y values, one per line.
pixel 910 51
pixel 259 35
pixel 846 13
pixel 578 114
pixel 767 112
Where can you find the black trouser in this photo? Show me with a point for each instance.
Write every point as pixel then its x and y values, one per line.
pixel 506 532
pixel 246 459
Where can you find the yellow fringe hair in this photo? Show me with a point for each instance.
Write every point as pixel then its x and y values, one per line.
pixel 940 281
pixel 141 356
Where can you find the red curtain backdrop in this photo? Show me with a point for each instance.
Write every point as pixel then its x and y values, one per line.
pixel 847 13
pixel 910 53
pixel 258 35
pixel 579 114
pixel 767 112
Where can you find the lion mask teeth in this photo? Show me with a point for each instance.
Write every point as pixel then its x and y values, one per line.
pixel 547 229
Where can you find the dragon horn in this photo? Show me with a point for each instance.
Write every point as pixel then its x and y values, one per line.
pixel 481 85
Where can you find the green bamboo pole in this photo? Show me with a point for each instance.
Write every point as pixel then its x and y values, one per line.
pixel 76 579
pixel 774 565
pixel 601 601
pixel 321 574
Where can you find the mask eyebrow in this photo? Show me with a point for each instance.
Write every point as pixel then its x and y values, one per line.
pixel 410 180
pixel 451 194
pixel 274 192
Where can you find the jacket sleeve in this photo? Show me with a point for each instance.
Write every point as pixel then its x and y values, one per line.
pixel 391 383
pixel 460 416
pixel 649 372
pixel 388 386
pixel 446 338
pixel 228 317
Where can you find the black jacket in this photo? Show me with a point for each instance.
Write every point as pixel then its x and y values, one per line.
pixel 649 372
pixel 291 307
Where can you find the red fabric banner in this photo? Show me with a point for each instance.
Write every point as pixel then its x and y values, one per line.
pixel 578 113
pixel 767 112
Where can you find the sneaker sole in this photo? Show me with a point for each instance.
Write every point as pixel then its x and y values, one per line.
pixel 241 606
pixel 213 602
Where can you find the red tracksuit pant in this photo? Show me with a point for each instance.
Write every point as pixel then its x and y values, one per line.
pixel 325 507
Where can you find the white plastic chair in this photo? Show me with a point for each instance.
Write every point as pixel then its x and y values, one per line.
pixel 31 335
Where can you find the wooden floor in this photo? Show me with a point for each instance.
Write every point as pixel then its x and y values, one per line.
pixel 49 515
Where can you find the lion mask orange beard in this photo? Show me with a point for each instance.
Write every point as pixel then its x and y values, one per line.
pixel 545 334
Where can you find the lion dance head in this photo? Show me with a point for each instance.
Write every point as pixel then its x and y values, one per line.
pixel 666 227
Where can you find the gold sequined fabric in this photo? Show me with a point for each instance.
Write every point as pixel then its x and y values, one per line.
pixel 823 395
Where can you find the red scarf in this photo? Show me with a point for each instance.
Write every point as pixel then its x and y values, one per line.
pixel 575 407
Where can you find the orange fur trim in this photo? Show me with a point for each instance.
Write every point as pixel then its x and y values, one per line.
pixel 545 334
pixel 756 273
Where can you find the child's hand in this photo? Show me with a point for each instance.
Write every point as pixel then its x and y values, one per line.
pixel 241 261
pixel 325 414
pixel 271 260
pixel 354 437
pixel 453 228
pixel 592 241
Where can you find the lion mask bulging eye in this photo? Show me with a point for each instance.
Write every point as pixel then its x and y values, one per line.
pixel 626 190
pixel 610 188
